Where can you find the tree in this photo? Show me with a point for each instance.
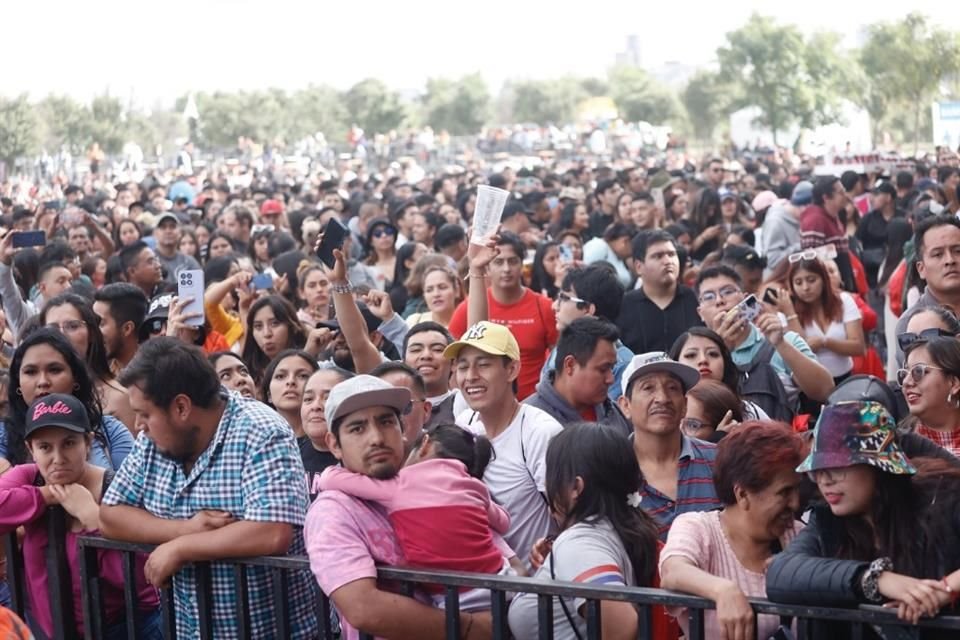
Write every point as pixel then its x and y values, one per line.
pixel 639 97
pixel 773 68
pixel 904 63
pixel 319 109
pixel 107 124
pixel 374 107
pixel 18 128
pixel 461 106
pixel 546 101
pixel 706 99
pixel 65 122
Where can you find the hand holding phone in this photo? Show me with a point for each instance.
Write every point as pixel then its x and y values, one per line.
pixel 261 281
pixel 190 285
pixel 333 236
pixel 748 309
pixel 22 239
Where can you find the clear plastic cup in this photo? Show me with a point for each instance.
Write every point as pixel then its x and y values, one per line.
pixel 486 215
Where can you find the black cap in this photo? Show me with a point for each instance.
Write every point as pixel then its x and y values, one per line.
pixel 157 313
pixel 57 410
pixel 863 387
pixel 887 188
pixel 513 207
pixel 372 321
pixel 743 255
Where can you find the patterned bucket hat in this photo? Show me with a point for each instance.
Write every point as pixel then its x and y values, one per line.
pixel 851 433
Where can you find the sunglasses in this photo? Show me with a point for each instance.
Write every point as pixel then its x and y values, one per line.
pixel 825 252
pixel 384 231
pixel 907 339
pixel 834 475
pixel 916 372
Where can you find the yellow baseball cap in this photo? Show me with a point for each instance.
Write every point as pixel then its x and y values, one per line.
pixel 489 337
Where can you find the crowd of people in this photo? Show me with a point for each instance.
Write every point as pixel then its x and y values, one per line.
pixel 731 379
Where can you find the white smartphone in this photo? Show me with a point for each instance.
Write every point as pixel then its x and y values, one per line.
pixel 749 308
pixel 190 285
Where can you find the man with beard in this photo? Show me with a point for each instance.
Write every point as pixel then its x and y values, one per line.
pixel 122 308
pixel 655 315
pixel 182 488
pixel 347 537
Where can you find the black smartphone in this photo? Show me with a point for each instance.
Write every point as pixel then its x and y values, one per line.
pixel 770 296
pixel 29 239
pixel 333 236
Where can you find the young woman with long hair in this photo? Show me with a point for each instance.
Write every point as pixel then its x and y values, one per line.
pixel 930 380
pixel 884 532
pixel 74 317
pixel 828 320
pixel 45 362
pixel 593 483
pixel 442 291
pixel 382 252
pixel 272 326
pixel 283 382
pixel 313 289
pixel 544 277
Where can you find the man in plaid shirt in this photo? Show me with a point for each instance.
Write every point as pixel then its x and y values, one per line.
pixel 212 476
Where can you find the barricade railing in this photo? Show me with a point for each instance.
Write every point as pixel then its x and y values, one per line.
pixel 499 586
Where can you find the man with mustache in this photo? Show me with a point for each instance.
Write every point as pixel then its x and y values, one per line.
pixel 677 469
pixel 655 315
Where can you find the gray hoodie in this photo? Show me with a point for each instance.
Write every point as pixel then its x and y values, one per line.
pixel 781 234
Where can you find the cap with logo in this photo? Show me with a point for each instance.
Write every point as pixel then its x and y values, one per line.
pixel 157 313
pixel 57 410
pixel 489 337
pixel 362 392
pixel 658 362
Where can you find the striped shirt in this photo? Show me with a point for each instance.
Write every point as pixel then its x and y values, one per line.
pixel 695 490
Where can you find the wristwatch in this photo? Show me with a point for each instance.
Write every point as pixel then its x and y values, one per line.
pixel 869 581
pixel 342 287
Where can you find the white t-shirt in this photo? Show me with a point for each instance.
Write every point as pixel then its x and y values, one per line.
pixel 835 363
pixel 517 474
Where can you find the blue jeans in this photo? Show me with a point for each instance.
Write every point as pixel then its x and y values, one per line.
pixel 149 627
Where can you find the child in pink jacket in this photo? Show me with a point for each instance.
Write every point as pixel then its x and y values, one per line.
pixel 439 507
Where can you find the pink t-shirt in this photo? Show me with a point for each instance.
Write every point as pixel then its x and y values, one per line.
pixel 699 538
pixel 346 538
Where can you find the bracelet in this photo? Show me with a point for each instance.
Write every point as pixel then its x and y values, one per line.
pixel 342 287
pixel 792 316
pixel 466 632
pixel 869 581
pixel 954 595
pixel 477 275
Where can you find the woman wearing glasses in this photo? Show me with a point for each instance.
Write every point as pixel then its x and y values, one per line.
pixel 930 381
pixel 883 534
pixel 829 321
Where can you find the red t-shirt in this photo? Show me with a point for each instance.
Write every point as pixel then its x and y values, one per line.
pixel 531 321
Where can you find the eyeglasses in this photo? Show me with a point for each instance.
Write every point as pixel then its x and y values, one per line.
pixel 710 297
pixel 907 339
pixel 837 474
pixel 916 372
pixel 379 233
pixel 70 326
pixel 566 297
pixel 692 425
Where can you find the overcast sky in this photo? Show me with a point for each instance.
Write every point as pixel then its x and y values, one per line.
pixel 155 51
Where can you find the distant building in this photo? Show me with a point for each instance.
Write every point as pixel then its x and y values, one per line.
pixel 631 56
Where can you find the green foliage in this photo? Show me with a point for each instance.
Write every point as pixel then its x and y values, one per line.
pixel 18 128
pixel 458 106
pixel 904 64
pixel 791 80
pixel 546 101
pixel 66 123
pixel 639 97
pixel 374 107
pixel 706 99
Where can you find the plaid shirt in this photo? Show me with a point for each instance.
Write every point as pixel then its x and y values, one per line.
pixel 949 440
pixel 251 469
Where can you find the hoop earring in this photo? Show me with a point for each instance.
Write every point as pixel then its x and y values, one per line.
pixel 19 392
pixel 76 386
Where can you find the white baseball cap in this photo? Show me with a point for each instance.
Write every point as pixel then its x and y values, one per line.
pixel 658 361
pixel 361 392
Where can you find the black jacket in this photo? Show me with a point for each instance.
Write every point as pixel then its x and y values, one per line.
pixel 644 326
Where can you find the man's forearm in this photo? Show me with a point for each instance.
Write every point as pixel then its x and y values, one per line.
pixel 811 377
pixel 241 539
pixel 477 300
pixel 133 524
pixel 354 330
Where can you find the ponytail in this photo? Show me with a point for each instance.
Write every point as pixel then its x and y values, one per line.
pixel 455 443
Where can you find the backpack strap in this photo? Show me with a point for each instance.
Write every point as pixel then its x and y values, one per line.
pixel 764 354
